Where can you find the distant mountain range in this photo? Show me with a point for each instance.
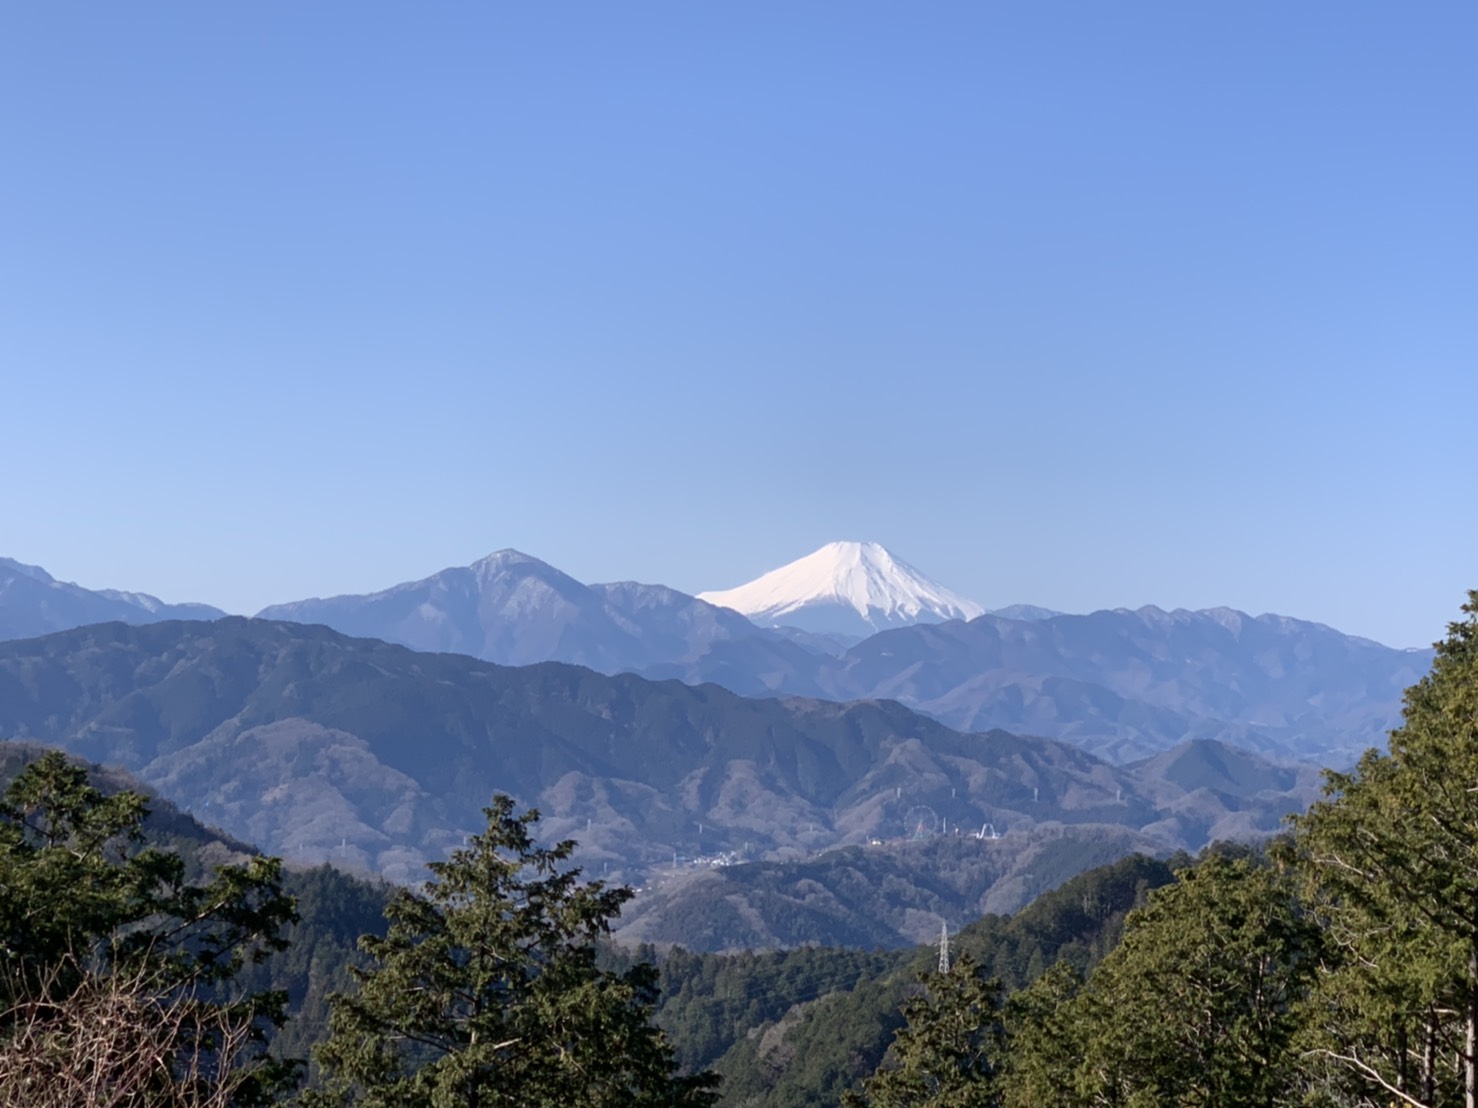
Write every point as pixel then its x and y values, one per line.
pixel 32 602
pixel 319 746
pixel 513 609
pixel 1123 684
pixel 1126 684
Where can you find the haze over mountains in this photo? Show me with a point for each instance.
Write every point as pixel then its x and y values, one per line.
pixel 514 609
pixel 319 746
pixel 32 602
pixel 1123 684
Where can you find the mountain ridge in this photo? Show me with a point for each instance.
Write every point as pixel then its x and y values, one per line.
pixel 326 747
pixel 515 609
pixel 1124 683
pixel 33 602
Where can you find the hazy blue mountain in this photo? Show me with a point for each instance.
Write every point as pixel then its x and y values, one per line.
pixel 1205 764
pixel 320 746
pixel 1124 684
pixel 1209 791
pixel 514 609
pixel 1024 611
pixel 1129 683
pixel 32 602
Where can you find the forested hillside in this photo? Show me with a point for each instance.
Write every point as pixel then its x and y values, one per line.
pixel 888 895
pixel 1124 684
pixel 815 1040
pixel 1341 971
pixel 1336 968
pixel 785 1026
pixel 319 747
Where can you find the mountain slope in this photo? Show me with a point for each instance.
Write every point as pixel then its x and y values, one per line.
pixel 32 602
pixel 319 746
pixel 334 908
pixel 806 1045
pixel 845 587
pixel 887 895
pixel 1124 684
pixel 1129 683
pixel 514 609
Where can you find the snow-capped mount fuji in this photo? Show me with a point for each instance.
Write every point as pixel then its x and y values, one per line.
pixel 850 588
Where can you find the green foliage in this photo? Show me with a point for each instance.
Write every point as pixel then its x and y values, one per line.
pixel 486 991
pixel 1198 1005
pixel 950 1052
pixel 813 1051
pixel 89 916
pixel 1047 1041
pixel 709 1001
pixel 1392 858
pixel 1079 922
pixel 334 911
pixel 1338 969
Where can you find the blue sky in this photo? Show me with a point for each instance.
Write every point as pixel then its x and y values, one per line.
pixel 1086 305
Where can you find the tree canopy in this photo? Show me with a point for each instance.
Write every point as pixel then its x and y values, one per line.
pixel 115 970
pixel 949 1053
pixel 1391 856
pixel 1339 969
pixel 486 992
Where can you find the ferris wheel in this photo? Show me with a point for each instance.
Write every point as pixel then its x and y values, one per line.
pixel 920 823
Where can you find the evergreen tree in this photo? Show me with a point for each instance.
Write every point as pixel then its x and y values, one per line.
pixel 115 971
pixel 949 1054
pixel 486 992
pixel 1199 1004
pixel 1046 1041
pixel 1392 854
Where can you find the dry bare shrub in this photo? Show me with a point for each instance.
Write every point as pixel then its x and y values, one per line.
pixel 119 1042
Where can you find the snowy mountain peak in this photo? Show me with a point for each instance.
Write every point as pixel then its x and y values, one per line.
pixel 35 573
pixel 503 559
pixel 847 587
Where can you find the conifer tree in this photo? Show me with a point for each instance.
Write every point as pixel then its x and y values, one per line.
pixel 1392 853
pixel 486 992
pixel 1046 1041
pixel 115 971
pixel 949 1054
pixel 1200 1002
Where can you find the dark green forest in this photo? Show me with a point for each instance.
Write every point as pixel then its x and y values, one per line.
pixel 144 960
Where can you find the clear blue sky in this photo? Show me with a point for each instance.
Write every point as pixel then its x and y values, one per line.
pixel 1087 305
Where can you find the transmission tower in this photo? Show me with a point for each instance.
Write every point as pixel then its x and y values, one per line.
pixel 944 948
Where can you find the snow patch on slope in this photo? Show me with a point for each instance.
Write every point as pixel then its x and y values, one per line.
pixel 36 573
